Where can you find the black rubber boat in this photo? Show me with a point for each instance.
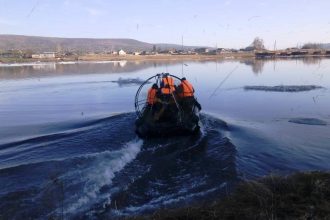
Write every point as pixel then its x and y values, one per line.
pixel 170 117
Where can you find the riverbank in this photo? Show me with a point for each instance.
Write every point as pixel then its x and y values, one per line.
pixel 298 196
pixel 110 57
pixel 157 57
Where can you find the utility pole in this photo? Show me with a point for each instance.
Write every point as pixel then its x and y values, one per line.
pixel 182 54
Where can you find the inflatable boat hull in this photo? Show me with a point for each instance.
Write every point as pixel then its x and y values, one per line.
pixel 164 129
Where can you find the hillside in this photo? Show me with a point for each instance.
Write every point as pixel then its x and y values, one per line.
pixel 41 44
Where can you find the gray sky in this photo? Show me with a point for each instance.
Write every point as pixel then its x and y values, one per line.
pixel 225 23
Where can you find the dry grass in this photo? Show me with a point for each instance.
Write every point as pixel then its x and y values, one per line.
pixel 299 196
pixel 109 57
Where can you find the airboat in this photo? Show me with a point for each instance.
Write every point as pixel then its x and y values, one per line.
pixel 169 116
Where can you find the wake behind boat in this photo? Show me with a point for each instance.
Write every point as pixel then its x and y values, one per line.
pixel 168 108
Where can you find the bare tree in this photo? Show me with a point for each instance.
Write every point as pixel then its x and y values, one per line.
pixel 258 44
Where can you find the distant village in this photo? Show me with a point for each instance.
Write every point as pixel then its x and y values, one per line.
pixel 256 49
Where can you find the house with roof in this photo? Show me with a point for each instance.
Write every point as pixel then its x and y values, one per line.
pixel 121 52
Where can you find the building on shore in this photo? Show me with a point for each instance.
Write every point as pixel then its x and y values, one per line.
pixel 212 52
pixel 121 53
pixel 265 54
pixel 226 51
pixel 202 50
pixel 44 55
pixel 299 53
pixel 248 49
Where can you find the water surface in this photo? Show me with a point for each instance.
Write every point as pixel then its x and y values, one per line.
pixel 67 142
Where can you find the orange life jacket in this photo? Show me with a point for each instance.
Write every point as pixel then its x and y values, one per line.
pixel 187 89
pixel 151 99
pixel 168 85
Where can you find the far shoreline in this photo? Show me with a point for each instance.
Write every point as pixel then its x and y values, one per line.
pixel 158 57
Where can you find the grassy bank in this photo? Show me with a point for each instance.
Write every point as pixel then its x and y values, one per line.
pixel 109 57
pixel 158 57
pixel 298 196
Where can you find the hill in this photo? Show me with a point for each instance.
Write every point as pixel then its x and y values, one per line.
pixel 42 44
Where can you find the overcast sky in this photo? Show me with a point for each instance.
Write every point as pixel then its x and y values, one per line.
pixel 225 23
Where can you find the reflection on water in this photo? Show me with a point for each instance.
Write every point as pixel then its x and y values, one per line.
pixel 20 71
pixel 70 68
pixel 256 65
pixel 45 67
pixel 312 60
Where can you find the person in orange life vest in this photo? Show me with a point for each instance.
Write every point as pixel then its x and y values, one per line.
pixel 152 103
pixel 185 89
pixel 152 95
pixel 186 92
pixel 167 91
pixel 167 85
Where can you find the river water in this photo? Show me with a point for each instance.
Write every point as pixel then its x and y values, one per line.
pixel 68 147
